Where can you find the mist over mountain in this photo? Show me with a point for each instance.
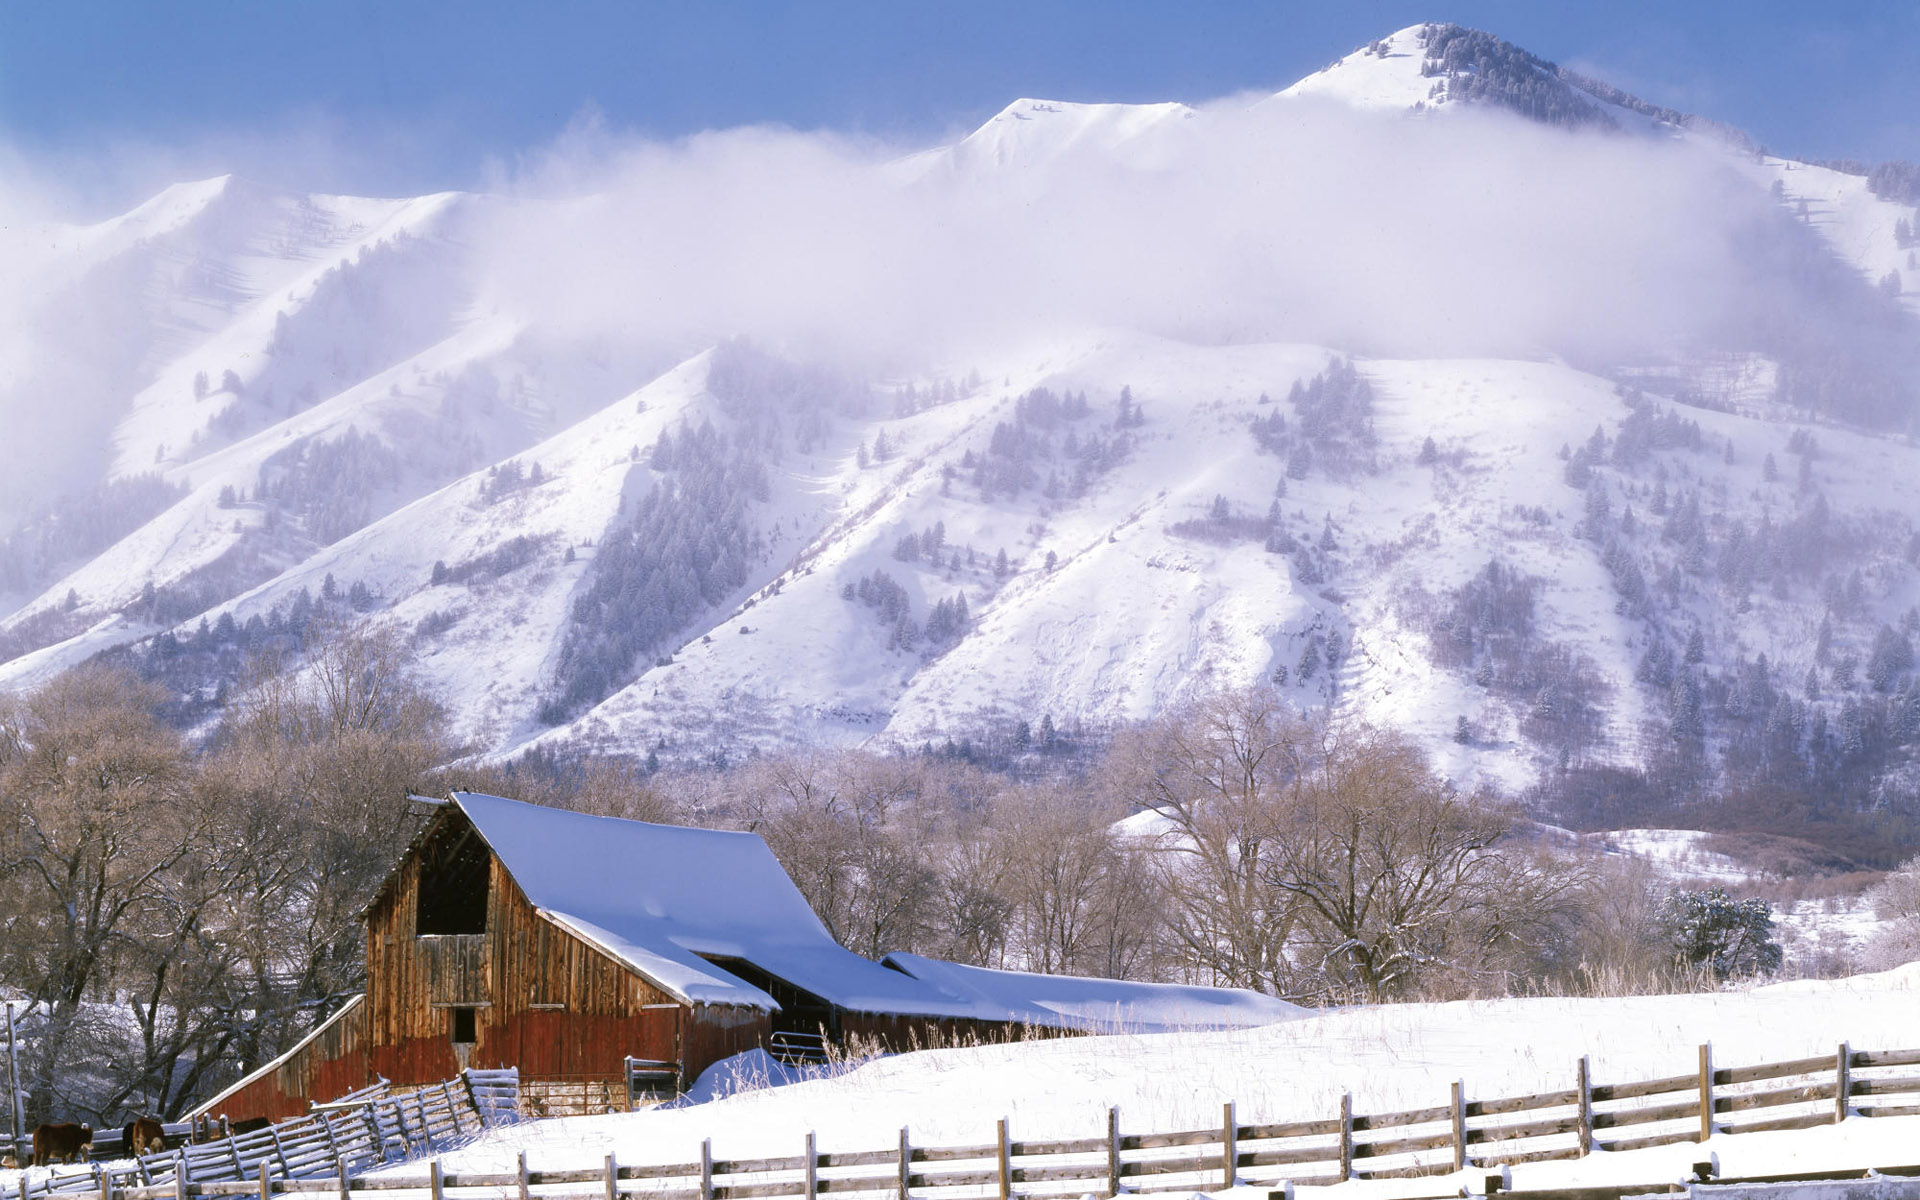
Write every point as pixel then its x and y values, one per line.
pixel 1447 387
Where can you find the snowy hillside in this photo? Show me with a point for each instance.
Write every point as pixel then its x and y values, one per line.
pixel 1686 548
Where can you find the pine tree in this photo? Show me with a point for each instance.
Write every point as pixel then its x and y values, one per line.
pixel 1309 661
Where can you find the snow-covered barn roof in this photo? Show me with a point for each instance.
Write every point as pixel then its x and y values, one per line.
pixel 659 897
pixel 1096 1005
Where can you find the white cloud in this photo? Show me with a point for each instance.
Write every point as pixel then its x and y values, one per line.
pixel 1472 233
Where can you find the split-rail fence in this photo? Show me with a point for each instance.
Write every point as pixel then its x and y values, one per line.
pixel 1586 1118
pixel 365 1129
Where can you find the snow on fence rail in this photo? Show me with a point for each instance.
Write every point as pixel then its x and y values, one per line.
pixel 1581 1120
pixel 368 1128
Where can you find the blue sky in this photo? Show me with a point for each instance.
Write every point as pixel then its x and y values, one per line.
pixel 117 96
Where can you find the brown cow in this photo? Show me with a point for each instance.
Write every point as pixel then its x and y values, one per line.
pixel 143 1135
pixel 68 1143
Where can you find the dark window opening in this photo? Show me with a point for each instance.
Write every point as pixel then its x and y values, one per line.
pixel 453 884
pixel 464 1026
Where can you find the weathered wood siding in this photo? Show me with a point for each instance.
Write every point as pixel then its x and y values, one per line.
pixel 900 1033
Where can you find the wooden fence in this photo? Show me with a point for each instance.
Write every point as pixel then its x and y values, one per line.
pixel 369 1128
pixel 1584 1119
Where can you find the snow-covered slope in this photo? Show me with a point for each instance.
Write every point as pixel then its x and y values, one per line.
pixel 1385 75
pixel 1033 133
pixel 309 405
pixel 1147 604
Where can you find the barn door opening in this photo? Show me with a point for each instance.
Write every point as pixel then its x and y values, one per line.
pixel 454 870
pixel 464 1030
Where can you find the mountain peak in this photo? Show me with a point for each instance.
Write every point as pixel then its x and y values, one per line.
pixel 1032 131
pixel 1430 65
pixel 1385 74
pixel 1433 65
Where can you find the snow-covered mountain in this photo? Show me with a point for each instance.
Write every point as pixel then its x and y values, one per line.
pixel 239 415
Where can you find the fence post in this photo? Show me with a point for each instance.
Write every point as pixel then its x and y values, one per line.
pixel 1229 1145
pixel 326 1126
pixel 613 1180
pixel 1706 1090
pixel 813 1169
pixel 340 1161
pixel 400 1124
pixel 1843 1081
pixel 453 1108
pixel 473 1097
pixel 1006 1162
pixel 436 1183
pixel 1459 1125
pixel 706 1169
pixel 106 1184
pixel 1583 1083
pixel 1113 1151
pixel 426 1129
pixel 180 1182
pixel 906 1164
pixel 266 1183
pixel 1346 1135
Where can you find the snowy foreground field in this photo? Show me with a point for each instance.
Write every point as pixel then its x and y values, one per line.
pixel 1390 1058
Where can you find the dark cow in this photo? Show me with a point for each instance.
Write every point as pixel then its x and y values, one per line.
pixel 67 1143
pixel 249 1125
pixel 143 1135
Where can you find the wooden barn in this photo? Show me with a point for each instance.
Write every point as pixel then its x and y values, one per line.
pixel 566 945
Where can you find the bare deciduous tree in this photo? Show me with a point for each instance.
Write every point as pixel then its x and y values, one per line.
pixel 92 787
pixel 1216 774
pixel 1319 859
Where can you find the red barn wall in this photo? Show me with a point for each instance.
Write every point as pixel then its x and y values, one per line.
pixel 327 1067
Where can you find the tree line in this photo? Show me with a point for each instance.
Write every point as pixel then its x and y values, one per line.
pixel 177 910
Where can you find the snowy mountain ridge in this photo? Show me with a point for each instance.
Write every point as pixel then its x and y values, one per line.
pixel 313 414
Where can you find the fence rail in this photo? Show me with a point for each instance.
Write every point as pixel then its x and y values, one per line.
pixel 1587 1118
pixel 366 1129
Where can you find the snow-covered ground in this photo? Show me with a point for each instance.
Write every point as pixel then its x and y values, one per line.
pixel 1390 1058
pixel 1678 853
